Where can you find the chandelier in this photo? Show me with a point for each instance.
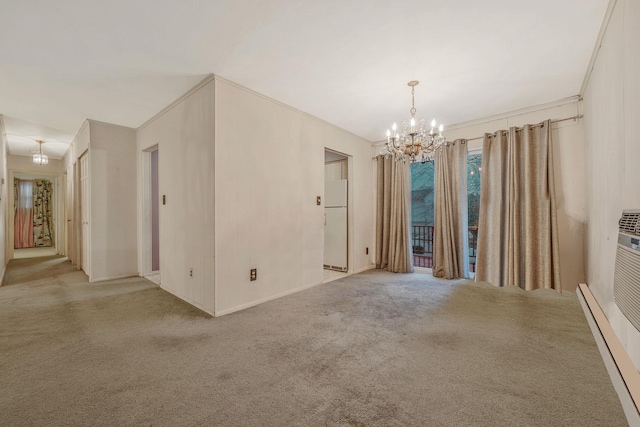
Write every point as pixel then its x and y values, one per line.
pixel 414 142
pixel 39 158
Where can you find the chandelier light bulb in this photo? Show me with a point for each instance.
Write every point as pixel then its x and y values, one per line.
pixel 394 127
pixel 433 123
pixel 413 122
pixel 441 128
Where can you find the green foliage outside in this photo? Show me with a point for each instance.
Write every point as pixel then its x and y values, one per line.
pixel 474 165
pixel 422 196
pixel 422 191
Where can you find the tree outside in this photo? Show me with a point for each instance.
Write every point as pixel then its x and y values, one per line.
pixel 422 197
pixel 422 191
pixel 422 204
pixel 474 170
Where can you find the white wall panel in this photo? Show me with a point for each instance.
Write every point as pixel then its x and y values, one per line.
pixel 184 135
pixel 269 171
pixel 25 164
pixel 612 133
pixel 112 170
pixel 5 190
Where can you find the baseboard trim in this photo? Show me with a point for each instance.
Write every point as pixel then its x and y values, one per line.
pixel 122 276
pixel 266 299
pixel 186 299
pixel 363 269
pixel 624 376
pixel 4 270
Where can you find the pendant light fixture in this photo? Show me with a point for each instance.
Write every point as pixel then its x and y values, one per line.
pixel 39 158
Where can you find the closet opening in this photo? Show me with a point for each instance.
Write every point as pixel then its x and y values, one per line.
pixel 151 214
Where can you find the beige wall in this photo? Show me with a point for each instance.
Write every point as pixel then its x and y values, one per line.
pixel 113 194
pixel 78 146
pixel 184 135
pixel 112 169
pixel 269 170
pixel 612 134
pixel 5 242
pixel 250 202
pixel 25 164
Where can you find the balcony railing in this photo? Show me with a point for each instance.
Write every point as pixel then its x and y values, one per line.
pixel 422 244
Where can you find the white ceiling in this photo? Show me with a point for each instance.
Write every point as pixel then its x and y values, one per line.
pixel 344 61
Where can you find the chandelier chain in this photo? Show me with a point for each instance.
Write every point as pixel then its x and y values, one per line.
pixel 413 101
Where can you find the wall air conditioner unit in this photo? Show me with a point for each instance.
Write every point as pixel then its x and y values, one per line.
pixel 626 279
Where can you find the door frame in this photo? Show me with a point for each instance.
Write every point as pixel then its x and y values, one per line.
pixel 147 250
pixel 59 195
pixel 83 246
pixel 350 204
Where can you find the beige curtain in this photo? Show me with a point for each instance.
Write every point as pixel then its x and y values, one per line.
pixel 451 220
pixel 517 231
pixel 393 251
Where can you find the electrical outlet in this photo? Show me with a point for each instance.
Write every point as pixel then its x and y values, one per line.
pixel 191 272
pixel 366 251
pixel 318 201
pixel 253 274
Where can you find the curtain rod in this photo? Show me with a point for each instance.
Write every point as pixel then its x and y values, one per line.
pixel 574 118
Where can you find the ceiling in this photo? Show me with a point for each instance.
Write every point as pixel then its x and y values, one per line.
pixel 345 61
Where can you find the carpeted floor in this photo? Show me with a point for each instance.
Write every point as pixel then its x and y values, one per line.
pixel 374 349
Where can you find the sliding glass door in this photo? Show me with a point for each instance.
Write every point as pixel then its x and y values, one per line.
pixel 422 210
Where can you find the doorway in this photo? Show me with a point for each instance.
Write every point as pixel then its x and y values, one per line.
pixel 151 214
pixel 336 215
pixel 34 215
pixel 85 214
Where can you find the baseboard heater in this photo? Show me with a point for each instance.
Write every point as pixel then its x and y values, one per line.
pixel 624 376
pixel 335 268
pixel 626 291
pixel 626 278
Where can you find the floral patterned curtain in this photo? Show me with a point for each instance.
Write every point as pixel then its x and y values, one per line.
pixel 42 213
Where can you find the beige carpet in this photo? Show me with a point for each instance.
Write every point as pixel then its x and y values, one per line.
pixel 375 349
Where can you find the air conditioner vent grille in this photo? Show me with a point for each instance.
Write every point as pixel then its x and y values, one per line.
pixel 625 285
pixel 630 222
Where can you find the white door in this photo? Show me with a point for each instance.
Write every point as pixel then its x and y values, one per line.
pixel 155 213
pixel 84 210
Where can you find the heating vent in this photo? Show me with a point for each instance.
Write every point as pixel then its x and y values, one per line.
pixel 630 222
pixel 626 280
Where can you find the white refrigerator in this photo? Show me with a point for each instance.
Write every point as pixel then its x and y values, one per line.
pixel 335 225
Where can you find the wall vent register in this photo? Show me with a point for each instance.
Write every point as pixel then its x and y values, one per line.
pixel 626 280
